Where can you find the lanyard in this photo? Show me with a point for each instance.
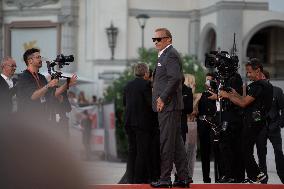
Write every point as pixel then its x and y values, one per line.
pixel 35 76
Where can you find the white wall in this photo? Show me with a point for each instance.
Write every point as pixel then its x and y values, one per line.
pixel 178 27
pixel 253 18
pixel 209 18
pixel 105 12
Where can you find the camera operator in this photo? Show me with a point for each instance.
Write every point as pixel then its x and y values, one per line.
pixel 230 135
pixel 256 104
pixel 206 109
pixel 228 159
pixel 34 91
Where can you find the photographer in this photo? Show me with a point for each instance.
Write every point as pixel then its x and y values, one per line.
pixel 34 91
pixel 256 104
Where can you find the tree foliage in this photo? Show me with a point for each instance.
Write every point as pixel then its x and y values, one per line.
pixel 114 92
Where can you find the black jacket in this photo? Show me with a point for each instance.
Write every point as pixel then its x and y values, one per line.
pixel 277 106
pixel 5 97
pixel 137 97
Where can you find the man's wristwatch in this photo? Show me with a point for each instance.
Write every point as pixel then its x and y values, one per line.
pixel 46 86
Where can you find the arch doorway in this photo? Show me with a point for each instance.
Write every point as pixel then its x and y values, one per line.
pixel 208 42
pixel 267 45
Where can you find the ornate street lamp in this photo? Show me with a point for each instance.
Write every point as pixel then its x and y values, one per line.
pixel 111 36
pixel 142 18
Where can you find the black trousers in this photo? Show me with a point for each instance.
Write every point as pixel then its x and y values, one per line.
pixel 205 141
pixel 273 133
pixel 143 155
pixel 231 151
pixel 172 149
pixel 249 138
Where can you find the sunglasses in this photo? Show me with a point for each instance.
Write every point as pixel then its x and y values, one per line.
pixel 158 39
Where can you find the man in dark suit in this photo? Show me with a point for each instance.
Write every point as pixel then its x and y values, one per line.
pixel 272 131
pixel 7 89
pixel 137 99
pixel 167 101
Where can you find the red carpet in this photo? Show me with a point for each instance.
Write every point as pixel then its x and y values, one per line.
pixel 195 186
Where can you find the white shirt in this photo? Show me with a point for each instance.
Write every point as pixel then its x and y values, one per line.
pixel 161 52
pixel 8 81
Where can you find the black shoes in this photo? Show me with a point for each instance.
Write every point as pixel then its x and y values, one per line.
pixel 207 180
pixel 260 179
pixel 225 179
pixel 181 184
pixel 162 184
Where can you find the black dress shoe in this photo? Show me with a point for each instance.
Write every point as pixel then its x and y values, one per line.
pixel 181 184
pixel 161 184
pixel 225 179
pixel 207 180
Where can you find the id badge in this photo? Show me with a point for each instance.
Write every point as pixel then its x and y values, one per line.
pixel 218 106
pixel 42 99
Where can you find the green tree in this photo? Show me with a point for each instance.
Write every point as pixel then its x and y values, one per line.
pixel 114 92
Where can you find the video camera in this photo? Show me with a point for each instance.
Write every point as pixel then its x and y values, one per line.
pixel 225 63
pixel 226 74
pixel 60 61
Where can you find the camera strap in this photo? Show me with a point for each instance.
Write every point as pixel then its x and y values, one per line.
pixel 36 77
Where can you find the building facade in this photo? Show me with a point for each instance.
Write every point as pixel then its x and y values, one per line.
pixel 198 26
pixel 79 27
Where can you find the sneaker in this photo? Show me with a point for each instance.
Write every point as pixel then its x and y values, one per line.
pixel 225 179
pixel 261 177
pixel 247 181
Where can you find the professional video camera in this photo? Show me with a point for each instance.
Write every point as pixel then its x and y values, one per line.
pixel 225 63
pixel 60 61
pixel 227 67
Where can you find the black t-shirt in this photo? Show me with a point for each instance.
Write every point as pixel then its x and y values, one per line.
pixel 26 86
pixel 262 92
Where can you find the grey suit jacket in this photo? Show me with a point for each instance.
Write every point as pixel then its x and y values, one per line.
pixel 167 82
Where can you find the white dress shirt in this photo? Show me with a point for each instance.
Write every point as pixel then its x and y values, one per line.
pixel 161 52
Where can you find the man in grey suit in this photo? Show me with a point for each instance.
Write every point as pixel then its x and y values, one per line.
pixel 167 101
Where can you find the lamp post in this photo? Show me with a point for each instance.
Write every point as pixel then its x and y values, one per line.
pixel 111 36
pixel 142 18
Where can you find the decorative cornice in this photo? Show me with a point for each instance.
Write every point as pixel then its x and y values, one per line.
pixel 32 12
pixel 194 14
pixel 160 13
pixel 21 4
pixel 241 5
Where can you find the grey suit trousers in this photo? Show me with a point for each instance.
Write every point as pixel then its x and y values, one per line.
pixel 172 149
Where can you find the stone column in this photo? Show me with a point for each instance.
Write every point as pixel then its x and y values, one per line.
pixel 69 30
pixel 194 30
pixel 230 21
